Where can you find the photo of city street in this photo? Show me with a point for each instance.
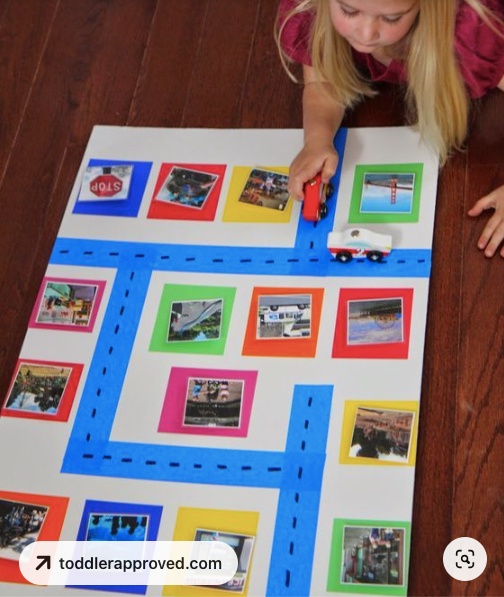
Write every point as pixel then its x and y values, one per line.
pixel 284 316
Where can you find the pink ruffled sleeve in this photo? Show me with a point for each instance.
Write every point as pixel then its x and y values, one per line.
pixel 295 38
pixel 479 49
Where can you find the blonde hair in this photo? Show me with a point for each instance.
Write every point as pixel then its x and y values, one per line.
pixel 436 97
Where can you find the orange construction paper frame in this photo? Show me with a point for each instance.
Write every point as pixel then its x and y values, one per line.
pixel 283 347
pixel 49 531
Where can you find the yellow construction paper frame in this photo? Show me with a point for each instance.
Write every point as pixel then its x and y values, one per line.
pixel 237 211
pixel 349 415
pixel 225 521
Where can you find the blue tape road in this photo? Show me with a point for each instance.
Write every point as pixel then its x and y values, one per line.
pixel 407 263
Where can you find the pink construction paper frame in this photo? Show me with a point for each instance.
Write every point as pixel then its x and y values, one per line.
pixel 71 327
pixel 173 412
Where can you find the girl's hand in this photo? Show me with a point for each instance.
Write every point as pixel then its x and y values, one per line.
pixel 310 161
pixel 493 233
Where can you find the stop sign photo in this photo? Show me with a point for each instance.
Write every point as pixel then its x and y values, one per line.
pixel 106 185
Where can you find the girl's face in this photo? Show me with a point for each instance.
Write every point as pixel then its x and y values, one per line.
pixel 369 25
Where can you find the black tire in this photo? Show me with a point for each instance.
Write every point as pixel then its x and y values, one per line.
pixel 375 256
pixel 302 307
pixel 323 211
pixel 274 307
pixel 344 256
pixel 329 191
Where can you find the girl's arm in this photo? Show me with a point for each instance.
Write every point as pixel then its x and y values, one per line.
pixel 321 119
pixel 493 233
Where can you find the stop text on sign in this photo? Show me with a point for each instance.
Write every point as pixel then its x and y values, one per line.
pixel 106 185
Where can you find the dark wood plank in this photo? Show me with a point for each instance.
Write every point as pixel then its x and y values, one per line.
pixel 270 98
pixel 216 89
pixel 172 49
pixel 20 48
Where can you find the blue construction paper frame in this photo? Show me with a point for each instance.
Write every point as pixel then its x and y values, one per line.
pixel 120 508
pixel 125 207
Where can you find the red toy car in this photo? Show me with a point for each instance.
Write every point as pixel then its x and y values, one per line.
pixel 316 193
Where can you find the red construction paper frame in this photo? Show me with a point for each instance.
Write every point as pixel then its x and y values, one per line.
pixel 386 350
pixel 65 404
pixel 161 210
pixel 172 415
pixel 50 530
pixel 282 347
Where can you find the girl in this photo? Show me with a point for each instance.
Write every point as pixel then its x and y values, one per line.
pixel 445 52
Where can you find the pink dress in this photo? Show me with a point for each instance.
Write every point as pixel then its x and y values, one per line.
pixel 479 49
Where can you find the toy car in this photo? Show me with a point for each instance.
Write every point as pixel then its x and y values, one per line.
pixel 316 193
pixel 359 242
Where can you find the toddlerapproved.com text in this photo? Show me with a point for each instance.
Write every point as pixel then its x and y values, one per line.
pixel 95 563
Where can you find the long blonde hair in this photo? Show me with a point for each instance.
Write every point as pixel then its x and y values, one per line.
pixel 436 97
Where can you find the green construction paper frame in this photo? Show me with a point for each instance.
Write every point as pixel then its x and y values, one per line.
pixel 334 583
pixel 355 214
pixel 173 293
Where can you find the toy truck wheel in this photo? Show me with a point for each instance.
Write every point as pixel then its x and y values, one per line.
pixel 344 256
pixel 323 211
pixel 329 190
pixel 375 255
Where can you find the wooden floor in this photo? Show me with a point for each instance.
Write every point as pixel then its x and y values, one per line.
pixel 66 65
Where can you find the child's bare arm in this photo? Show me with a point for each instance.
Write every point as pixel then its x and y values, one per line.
pixel 321 119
